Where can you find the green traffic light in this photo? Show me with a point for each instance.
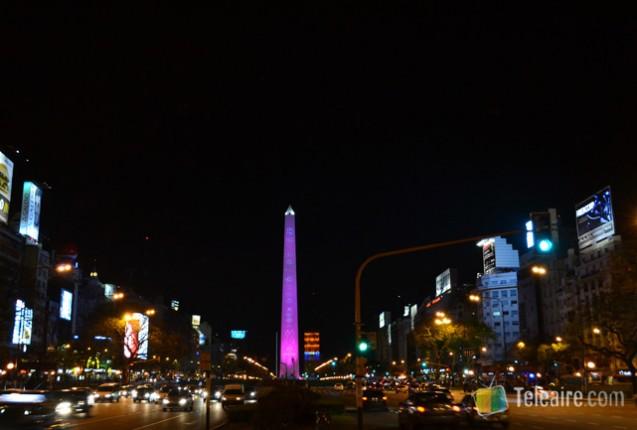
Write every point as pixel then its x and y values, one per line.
pixel 545 245
pixel 363 346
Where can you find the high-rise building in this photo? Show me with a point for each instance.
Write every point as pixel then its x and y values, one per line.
pixel 289 349
pixel 498 287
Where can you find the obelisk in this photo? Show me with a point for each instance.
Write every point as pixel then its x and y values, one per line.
pixel 289 349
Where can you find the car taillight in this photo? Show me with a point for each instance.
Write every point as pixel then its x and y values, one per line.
pixel 421 409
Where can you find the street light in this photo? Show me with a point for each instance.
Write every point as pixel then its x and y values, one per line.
pixel 596 330
pixel 10 365
pixel 150 312
pixel 558 339
pixel 521 345
pixel 474 298
pixel 483 349
pixel 539 270
pixel 591 365
pixel 118 296
pixel 63 267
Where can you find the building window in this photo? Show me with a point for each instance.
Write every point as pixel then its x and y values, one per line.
pixel 514 302
pixel 505 293
pixel 495 294
pixel 514 293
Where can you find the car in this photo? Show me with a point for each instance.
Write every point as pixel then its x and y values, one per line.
pixel 177 399
pixel 339 387
pixel 233 394
pixel 374 399
pixel 543 394
pixel 161 394
pixel 473 417
pixel 80 399
pixel 142 393
pixel 125 390
pixel 108 392
pixel 30 409
pixel 430 408
pixel 217 392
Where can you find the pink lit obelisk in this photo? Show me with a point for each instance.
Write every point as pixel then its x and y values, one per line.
pixel 289 353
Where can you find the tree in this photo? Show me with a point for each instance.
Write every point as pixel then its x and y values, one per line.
pixel 438 340
pixel 610 328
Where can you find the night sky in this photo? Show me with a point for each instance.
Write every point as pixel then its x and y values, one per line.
pixel 398 128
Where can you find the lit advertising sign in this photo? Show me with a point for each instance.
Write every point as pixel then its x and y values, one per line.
pixel 66 305
pixel 595 219
pixel 443 282
pixel 30 215
pixel 196 321
pixel 23 324
pixel 109 290
pixel 381 320
pixel 237 334
pixel 311 345
pixel 136 337
pixel 488 255
pixel 6 176
pixel 174 305
pixel 530 236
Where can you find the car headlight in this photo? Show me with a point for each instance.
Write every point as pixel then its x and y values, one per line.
pixel 223 398
pixel 64 408
pixel 165 401
pixel 182 402
pixel 203 393
pixel 217 394
pixel 146 395
pixel 90 399
pixel 133 393
pixel 107 396
pixel 253 394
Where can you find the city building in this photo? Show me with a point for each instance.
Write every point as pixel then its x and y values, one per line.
pixel 498 290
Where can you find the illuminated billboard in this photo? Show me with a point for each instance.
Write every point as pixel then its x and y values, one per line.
pixel 6 177
pixel 136 337
pixel 23 324
pixel 66 304
pixel 30 215
pixel 174 305
pixel 595 219
pixel 196 321
pixel 237 334
pixel 443 283
pixel 109 290
pixel 311 345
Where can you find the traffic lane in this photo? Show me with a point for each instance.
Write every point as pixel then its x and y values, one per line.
pixel 129 415
pixel 571 417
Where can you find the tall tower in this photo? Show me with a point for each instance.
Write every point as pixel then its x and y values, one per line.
pixel 289 353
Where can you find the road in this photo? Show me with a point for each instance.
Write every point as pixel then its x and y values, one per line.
pixel 522 417
pixel 127 415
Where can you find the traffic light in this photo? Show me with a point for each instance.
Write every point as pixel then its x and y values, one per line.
pixel 539 234
pixel 363 346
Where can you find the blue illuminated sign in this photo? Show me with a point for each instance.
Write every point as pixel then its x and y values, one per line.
pixel 237 334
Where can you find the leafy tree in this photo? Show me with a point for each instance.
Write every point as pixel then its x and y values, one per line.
pixel 437 341
pixel 610 328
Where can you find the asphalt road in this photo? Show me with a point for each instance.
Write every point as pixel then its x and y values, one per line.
pixel 522 417
pixel 127 415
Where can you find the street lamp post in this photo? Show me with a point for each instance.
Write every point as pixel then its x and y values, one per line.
pixel 360 367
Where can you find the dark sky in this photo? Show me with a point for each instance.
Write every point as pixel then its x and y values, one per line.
pixel 394 128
